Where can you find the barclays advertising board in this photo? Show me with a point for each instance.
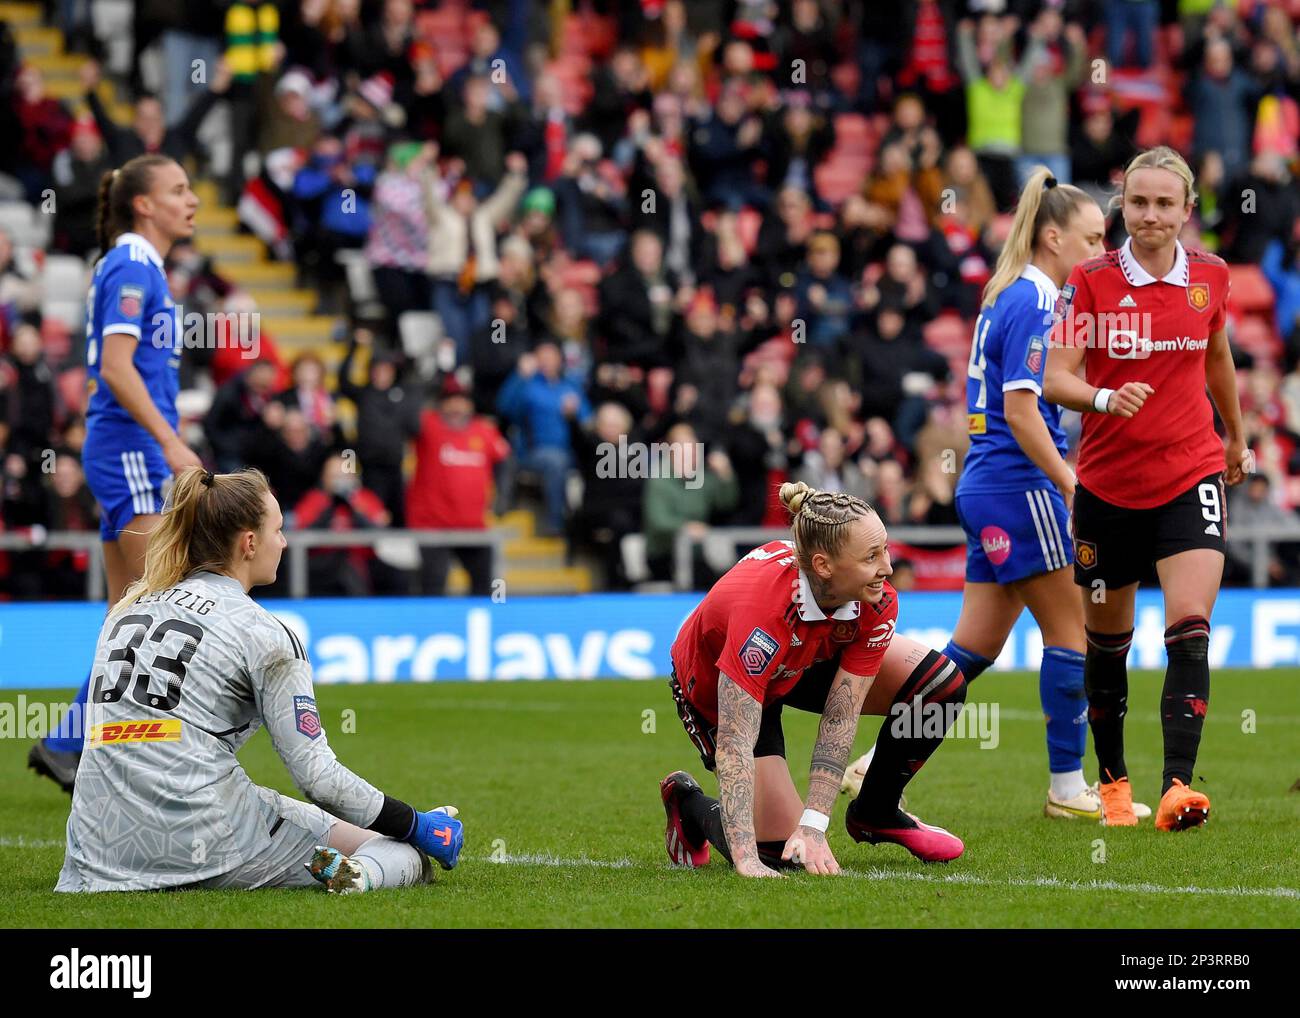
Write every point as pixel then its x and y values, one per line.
pixel 46 645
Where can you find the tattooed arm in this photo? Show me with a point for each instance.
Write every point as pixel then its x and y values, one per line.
pixel 739 717
pixel 839 726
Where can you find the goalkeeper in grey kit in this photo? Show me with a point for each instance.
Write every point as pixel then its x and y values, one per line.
pixel 187 668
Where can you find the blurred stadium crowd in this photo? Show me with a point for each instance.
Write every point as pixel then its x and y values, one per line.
pixel 761 226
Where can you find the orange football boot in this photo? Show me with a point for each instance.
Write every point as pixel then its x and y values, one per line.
pixel 1182 807
pixel 1117 803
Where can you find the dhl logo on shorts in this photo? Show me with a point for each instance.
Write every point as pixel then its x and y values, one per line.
pixel 136 731
pixel 976 424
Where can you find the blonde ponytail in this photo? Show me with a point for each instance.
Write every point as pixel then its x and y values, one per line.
pixel 199 524
pixel 1043 202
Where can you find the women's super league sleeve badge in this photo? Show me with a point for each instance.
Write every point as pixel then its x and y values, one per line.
pixel 130 300
pixel 1063 301
pixel 305 716
pixel 1034 359
pixel 1198 295
pixel 757 652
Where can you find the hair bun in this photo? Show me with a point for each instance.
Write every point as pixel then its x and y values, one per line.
pixel 794 494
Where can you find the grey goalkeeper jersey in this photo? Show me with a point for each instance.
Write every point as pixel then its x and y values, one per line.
pixel 182 679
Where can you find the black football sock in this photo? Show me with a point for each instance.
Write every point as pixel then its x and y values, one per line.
pixel 909 737
pixel 1105 681
pixel 769 854
pixel 1186 696
pixel 702 817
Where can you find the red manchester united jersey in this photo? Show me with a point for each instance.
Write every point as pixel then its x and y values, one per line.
pixel 1137 328
pixel 760 625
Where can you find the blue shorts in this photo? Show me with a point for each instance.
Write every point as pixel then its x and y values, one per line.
pixel 1014 535
pixel 126 482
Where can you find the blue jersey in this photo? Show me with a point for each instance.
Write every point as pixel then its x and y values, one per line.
pixel 1008 352
pixel 129 294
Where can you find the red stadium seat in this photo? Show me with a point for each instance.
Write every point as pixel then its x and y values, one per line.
pixel 949 334
pixel 1255 335
pixel 72 389
pixel 1250 289
pixel 748 222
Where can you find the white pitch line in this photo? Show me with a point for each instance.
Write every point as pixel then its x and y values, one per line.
pixel 965 879
pixel 1055 883
pixel 29 843
pixel 546 859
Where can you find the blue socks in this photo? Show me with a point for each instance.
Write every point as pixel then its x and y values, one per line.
pixel 970 663
pixel 69 737
pixel 1060 687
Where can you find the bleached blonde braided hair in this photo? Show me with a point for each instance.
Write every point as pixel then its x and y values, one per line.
pixel 819 518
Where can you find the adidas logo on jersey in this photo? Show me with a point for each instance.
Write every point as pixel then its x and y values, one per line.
pixel 1128 301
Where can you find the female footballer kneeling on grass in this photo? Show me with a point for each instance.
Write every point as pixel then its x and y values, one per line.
pixel 1146 326
pixel 187 668
pixel 809 624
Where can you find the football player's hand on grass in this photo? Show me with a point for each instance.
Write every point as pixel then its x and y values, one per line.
pixel 754 867
pixel 808 846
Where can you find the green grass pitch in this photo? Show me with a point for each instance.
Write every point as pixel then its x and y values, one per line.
pixel 557 785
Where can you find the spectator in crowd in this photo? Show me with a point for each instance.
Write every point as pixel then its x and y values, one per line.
pixel 307 393
pixel 149 131
pixel 481 136
pixel 456 456
pixel 495 349
pixel 759 443
pixel 827 468
pixel 1135 21
pixel 76 173
pixel 288 452
pixel 1056 61
pixel 290 121
pixel 1253 505
pixel 613 489
pixel 995 97
pixel 540 402
pixel 640 304
pixel 69 506
pixel 337 503
pixel 724 147
pixel 825 297
pixel 398 246
pixel 1102 148
pixel 1222 99
pixel 386 415
pixel 463 248
pixel 589 203
pixel 686 499
pixel 493 50
pixel 235 419
pixel 46 127
pixel 1281 264
pixel 31 403
pixel 1263 206
pixel 19 294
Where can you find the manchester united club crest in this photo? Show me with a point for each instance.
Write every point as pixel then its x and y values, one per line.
pixel 1085 553
pixel 844 631
pixel 1198 296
